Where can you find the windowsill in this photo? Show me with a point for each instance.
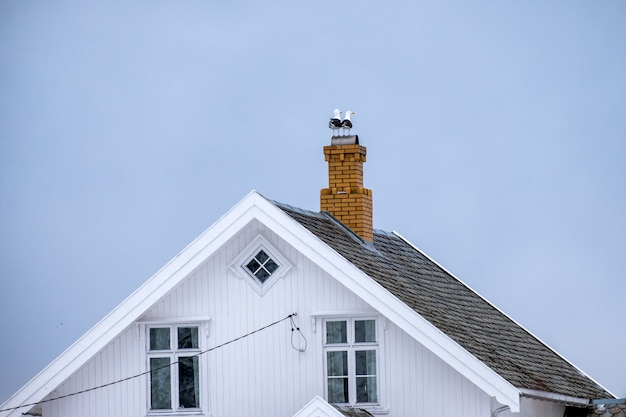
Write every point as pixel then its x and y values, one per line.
pixel 170 413
pixel 373 409
pixel 377 409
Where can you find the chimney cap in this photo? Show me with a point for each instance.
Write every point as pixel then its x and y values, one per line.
pixel 345 140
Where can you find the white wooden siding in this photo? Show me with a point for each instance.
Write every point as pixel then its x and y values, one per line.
pixel 120 359
pixel 263 375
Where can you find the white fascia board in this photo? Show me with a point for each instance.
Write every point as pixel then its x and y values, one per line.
pixel 389 305
pixel 134 306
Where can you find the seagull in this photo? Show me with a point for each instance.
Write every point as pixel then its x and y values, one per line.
pixel 335 121
pixel 347 123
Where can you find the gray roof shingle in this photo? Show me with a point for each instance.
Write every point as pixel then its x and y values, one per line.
pixel 455 309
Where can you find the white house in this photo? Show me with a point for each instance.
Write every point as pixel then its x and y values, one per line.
pixel 276 311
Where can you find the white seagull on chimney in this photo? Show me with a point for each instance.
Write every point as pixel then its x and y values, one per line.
pixel 347 123
pixel 335 121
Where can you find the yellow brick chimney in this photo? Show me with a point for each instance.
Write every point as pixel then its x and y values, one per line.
pixel 346 198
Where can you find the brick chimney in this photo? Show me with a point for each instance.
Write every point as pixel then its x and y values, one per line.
pixel 345 198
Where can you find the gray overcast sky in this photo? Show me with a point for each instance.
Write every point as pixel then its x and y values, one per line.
pixel 495 131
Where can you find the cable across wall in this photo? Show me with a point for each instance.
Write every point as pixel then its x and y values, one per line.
pixel 289 317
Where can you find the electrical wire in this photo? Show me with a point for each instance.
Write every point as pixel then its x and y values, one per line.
pixel 295 328
pixel 290 316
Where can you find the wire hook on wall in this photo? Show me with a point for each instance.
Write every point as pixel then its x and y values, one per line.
pixel 299 339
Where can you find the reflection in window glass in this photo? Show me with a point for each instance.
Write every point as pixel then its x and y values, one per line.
pixel 187 338
pixel 337 371
pixel 188 389
pixel 262 266
pixel 365 362
pixel 351 350
pixel 337 363
pixel 338 390
pixel 364 331
pixel 336 332
pixel 365 375
pixel 174 365
pixel 160 338
pixel 366 390
pixel 160 386
pixel 271 266
pixel 262 275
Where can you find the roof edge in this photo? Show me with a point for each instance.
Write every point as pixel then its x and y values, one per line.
pixel 503 313
pixel 550 396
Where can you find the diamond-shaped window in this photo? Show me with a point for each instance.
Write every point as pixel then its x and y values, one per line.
pixel 262 266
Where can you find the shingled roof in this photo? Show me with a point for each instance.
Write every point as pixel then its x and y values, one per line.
pixel 458 311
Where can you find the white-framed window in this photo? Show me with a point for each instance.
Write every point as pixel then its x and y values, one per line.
pixel 351 360
pixel 174 364
pixel 261 265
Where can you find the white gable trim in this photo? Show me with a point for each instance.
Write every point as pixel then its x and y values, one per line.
pixel 255 206
pixel 318 407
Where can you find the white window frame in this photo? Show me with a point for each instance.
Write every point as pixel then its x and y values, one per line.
pixel 239 265
pixel 173 354
pixel 351 347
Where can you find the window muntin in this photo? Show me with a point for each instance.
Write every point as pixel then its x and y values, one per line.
pixel 174 367
pixel 351 351
pixel 337 373
pixel 365 364
pixel 261 266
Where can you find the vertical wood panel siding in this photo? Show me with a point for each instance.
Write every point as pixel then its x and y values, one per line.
pixel 120 359
pixel 262 375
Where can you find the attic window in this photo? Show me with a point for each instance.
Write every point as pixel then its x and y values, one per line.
pixel 261 265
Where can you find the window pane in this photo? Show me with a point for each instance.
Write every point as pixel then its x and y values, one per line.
pixel 160 338
pixel 366 389
pixel 188 390
pixel 337 390
pixel 336 332
pixel 261 256
pixel 365 362
pixel 364 331
pixel 253 265
pixel 160 384
pixel 271 266
pixel 187 338
pixel 337 363
pixel 262 275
